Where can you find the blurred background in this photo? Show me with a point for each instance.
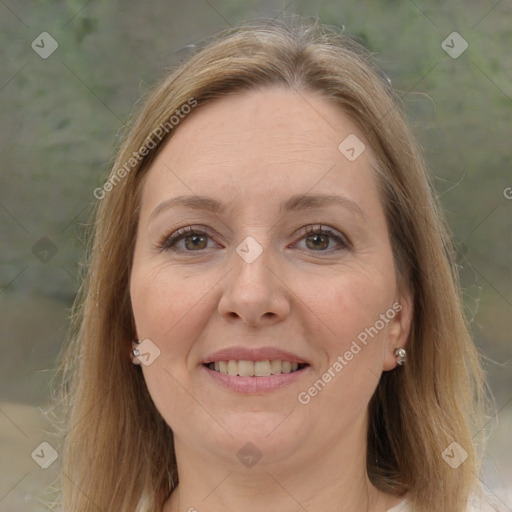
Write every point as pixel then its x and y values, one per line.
pixel 73 70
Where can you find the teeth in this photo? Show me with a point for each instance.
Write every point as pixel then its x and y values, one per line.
pixel 275 366
pixel 245 368
pixel 232 367
pixel 262 368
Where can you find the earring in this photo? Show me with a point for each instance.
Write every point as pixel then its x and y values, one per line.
pixel 400 355
pixel 136 351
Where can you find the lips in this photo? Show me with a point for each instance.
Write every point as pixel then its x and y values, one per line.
pixel 254 370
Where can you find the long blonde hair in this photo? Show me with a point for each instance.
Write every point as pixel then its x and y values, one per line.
pixel 118 451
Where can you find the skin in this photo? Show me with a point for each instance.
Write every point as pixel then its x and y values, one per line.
pixel 255 150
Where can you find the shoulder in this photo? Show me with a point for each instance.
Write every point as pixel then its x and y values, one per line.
pixel 482 504
pixel 476 505
pixel 403 506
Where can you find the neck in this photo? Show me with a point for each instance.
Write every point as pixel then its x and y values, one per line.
pixel 332 481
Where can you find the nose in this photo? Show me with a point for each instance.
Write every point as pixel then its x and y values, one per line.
pixel 255 292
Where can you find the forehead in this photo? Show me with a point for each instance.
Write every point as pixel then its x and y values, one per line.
pixel 260 144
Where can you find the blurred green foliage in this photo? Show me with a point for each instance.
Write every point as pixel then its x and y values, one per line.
pixel 62 117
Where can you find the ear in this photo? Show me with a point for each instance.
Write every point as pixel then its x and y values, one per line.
pixel 398 329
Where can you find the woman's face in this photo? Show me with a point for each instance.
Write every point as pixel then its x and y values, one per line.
pixel 290 268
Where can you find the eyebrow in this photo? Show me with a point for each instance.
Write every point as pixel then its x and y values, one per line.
pixel 297 202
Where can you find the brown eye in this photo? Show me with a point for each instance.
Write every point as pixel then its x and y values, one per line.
pixel 318 241
pixel 194 240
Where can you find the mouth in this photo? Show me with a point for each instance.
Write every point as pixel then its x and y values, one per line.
pixel 254 370
pixel 262 368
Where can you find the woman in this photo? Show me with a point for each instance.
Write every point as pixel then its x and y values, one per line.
pixel 271 318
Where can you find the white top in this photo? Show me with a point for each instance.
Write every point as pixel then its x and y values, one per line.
pixel 405 506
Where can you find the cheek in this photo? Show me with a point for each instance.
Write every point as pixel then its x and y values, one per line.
pixel 168 308
pixel 356 313
pixel 167 301
pixel 355 299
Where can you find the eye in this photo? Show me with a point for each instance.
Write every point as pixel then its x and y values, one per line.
pixel 195 240
pixel 318 239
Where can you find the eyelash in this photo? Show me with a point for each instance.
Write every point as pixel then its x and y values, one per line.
pixel 168 241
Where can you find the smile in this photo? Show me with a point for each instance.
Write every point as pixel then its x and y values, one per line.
pixel 264 368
